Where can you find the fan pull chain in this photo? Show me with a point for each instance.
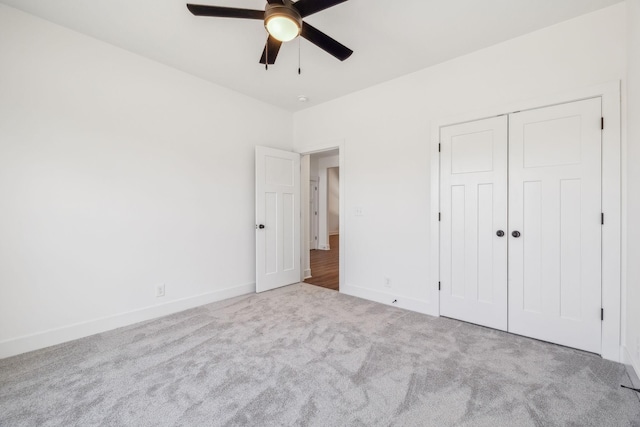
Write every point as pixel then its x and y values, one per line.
pixel 266 56
pixel 299 54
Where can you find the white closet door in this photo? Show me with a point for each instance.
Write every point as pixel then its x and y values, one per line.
pixel 555 205
pixel 473 205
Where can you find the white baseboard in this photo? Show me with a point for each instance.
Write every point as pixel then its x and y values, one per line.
pixel 51 337
pixel 324 247
pixel 388 298
pixel 633 367
pixel 307 274
pixel 334 233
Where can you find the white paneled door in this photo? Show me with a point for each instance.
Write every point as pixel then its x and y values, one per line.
pixel 541 170
pixel 473 224
pixel 555 209
pixel 277 218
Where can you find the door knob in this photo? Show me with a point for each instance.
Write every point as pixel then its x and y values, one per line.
pixel 500 233
pixel 261 226
pixel 516 234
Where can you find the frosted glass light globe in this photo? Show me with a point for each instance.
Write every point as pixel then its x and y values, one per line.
pixel 283 28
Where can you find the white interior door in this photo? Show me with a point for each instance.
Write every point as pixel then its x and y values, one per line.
pixel 555 206
pixel 473 205
pixel 277 218
pixel 313 213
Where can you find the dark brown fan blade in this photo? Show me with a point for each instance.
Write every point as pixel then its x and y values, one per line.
pixel 275 1
pixel 325 42
pixel 309 7
pixel 225 12
pixel 273 49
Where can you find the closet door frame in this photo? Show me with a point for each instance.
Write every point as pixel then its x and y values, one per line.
pixel 612 169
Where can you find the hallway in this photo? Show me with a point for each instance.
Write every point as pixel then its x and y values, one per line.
pixel 325 266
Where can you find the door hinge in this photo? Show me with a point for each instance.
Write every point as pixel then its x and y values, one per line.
pixel 601 122
pixel 439 216
pixel 439 286
pixel 602 218
pixel 602 314
pixel 439 148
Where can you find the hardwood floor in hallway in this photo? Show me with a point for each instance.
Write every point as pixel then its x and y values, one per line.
pixel 325 266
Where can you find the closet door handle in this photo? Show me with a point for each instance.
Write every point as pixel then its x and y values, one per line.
pixel 500 233
pixel 516 234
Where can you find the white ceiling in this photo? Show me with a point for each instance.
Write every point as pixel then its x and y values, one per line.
pixel 390 38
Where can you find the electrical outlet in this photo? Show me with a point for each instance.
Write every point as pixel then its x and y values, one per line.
pixel 358 211
pixel 160 290
pixel 387 282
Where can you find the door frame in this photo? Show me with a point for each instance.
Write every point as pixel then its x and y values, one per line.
pixel 338 144
pixel 612 172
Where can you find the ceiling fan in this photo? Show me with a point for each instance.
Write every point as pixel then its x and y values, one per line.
pixel 283 21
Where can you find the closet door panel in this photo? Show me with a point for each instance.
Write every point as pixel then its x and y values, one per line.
pixel 474 207
pixel 555 205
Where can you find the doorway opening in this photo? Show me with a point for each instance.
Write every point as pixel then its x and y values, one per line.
pixel 322 266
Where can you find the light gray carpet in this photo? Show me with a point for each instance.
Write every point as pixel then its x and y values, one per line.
pixel 304 355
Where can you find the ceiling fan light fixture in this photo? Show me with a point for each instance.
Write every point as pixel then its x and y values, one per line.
pixel 282 23
pixel 282 19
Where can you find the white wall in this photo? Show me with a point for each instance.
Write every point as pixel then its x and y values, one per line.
pixel 117 173
pixel 387 136
pixel 333 201
pixel 633 185
pixel 313 166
